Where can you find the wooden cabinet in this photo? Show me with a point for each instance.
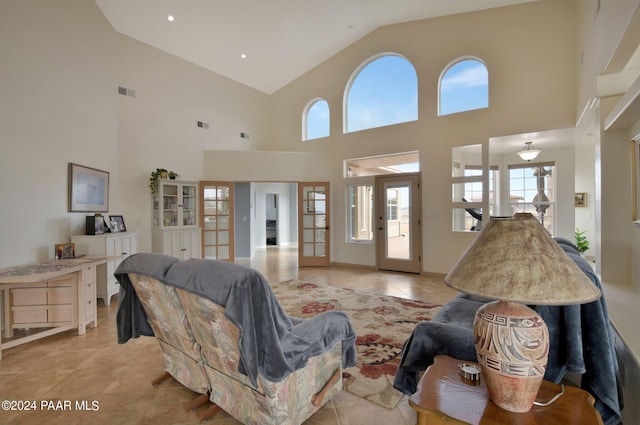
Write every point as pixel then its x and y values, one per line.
pixel 175 218
pixel 110 244
pixel 48 298
pixel 52 303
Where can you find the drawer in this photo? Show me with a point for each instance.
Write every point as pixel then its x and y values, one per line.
pixel 89 310
pixel 32 315
pixel 90 292
pixel 64 314
pixel 29 296
pixel 89 275
pixel 60 295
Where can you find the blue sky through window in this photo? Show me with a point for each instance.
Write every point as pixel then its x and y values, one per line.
pixel 384 92
pixel 317 120
pixel 465 86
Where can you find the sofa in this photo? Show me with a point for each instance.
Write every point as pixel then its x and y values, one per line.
pixel 581 343
pixel 261 365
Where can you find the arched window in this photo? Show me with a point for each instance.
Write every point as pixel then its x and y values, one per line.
pixel 315 120
pixel 382 91
pixel 464 85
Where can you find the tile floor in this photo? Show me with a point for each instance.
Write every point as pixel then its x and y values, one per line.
pixel 112 381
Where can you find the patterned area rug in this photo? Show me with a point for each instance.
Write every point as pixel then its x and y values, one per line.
pixel 382 324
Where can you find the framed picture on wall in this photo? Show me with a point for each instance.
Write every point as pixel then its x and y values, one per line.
pixel 581 199
pixel 88 189
pixel 117 223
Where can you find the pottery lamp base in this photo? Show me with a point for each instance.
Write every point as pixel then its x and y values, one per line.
pixel 512 346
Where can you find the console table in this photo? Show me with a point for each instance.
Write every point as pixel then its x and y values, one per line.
pixel 443 396
pixel 55 295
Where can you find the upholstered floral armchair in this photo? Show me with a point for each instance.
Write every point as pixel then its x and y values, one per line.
pixel 262 366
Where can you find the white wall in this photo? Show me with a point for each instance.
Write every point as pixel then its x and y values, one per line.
pixel 585 182
pixel 57 85
pixel 158 128
pixel 62 63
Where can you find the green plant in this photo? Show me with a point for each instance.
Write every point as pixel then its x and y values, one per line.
pixel 173 175
pixel 581 241
pixel 153 179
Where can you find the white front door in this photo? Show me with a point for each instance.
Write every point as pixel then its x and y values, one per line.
pixel 398 235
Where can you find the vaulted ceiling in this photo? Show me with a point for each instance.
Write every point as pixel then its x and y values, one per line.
pixel 281 39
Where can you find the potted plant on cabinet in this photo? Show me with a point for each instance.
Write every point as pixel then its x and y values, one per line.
pixel 159 173
pixel 173 175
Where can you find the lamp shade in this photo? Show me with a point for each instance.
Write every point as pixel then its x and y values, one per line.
pixel 516 259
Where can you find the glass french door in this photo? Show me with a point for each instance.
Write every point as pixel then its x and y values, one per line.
pixel 216 220
pixel 398 235
pixel 313 224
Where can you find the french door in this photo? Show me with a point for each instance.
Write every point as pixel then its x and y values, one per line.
pixel 398 234
pixel 313 224
pixel 216 220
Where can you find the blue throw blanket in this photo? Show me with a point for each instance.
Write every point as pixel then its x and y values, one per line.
pixel 582 341
pixel 272 343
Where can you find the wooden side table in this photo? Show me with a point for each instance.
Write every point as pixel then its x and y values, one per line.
pixel 443 396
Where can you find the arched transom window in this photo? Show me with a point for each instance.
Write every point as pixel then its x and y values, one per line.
pixel 382 91
pixel 316 120
pixel 464 86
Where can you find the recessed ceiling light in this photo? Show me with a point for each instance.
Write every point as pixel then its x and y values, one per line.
pixel 170 18
pixel 243 56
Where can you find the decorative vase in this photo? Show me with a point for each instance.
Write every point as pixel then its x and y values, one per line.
pixel 512 346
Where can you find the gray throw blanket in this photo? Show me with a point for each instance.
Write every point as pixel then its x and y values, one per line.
pixel 582 341
pixel 272 343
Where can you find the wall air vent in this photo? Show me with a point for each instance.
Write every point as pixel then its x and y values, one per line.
pixel 126 92
pixel 244 136
pixel 202 124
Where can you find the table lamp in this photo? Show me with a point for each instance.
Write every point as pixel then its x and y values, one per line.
pixel 515 261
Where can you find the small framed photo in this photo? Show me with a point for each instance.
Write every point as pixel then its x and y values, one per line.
pixel 65 250
pixel 117 223
pixel 581 199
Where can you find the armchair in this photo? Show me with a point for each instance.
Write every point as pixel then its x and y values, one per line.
pixel 262 366
pixel 165 318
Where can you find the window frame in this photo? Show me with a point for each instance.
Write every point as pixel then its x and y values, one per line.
pixel 305 119
pixel 553 203
pixel 353 77
pixel 354 183
pixel 444 73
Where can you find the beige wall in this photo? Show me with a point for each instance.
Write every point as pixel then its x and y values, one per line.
pixel 531 89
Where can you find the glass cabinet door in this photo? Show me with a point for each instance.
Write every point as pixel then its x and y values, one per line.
pixel 189 205
pixel 170 202
pixel 175 204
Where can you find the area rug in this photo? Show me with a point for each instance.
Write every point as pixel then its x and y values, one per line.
pixel 382 324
